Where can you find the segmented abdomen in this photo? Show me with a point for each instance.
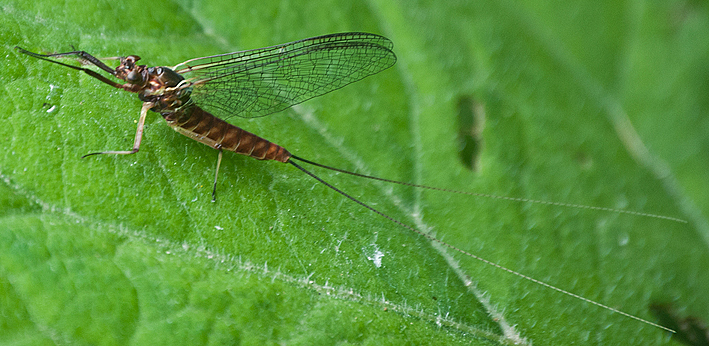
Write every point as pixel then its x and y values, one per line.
pixel 196 123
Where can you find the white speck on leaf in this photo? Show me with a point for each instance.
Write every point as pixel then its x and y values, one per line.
pixel 376 258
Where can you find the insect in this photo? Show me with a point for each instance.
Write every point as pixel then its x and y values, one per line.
pixel 194 97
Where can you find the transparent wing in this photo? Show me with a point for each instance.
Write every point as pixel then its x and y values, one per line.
pixel 262 81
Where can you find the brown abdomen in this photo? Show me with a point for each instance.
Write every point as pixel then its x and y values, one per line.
pixel 196 123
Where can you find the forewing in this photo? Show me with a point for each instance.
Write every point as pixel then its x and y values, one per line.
pixel 262 81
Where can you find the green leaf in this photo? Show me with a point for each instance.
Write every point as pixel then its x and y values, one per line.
pixel 594 103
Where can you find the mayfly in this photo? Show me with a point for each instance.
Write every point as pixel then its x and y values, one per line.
pixel 195 95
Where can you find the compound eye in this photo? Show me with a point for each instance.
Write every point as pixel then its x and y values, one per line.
pixel 134 77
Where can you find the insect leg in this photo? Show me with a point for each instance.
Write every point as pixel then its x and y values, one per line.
pixel 216 174
pixel 138 134
pixel 83 55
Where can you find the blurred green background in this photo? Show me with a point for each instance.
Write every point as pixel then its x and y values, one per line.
pixel 596 103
